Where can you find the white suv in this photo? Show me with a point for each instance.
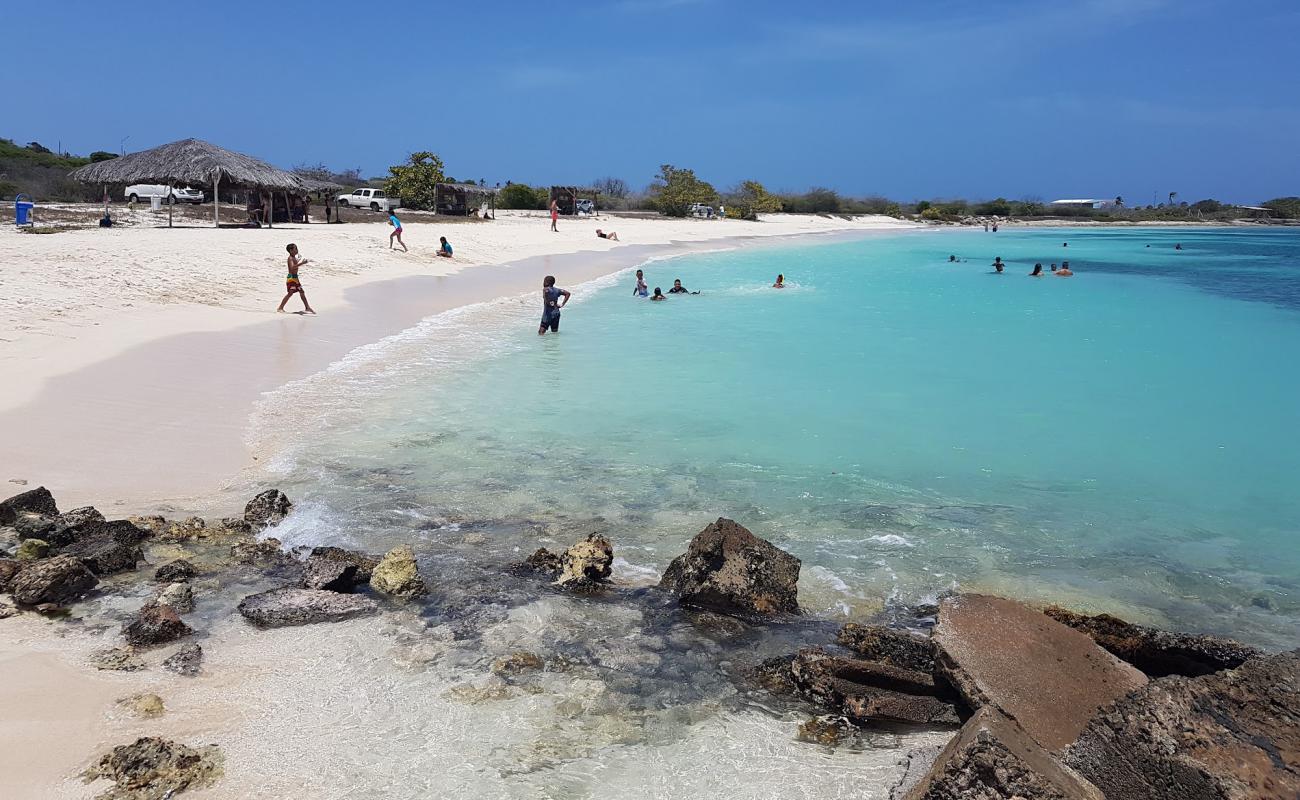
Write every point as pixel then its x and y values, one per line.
pixel 179 194
pixel 373 199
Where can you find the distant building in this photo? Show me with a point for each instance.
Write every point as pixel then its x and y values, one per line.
pixel 1085 203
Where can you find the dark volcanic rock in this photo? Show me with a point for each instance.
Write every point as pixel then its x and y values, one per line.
pixel 80 516
pixel 992 758
pixel 155 623
pixel 153 769
pixel 542 560
pixel 267 509
pixel 826 729
pixel 36 501
pixel 59 580
pixel 332 575
pixel 174 571
pixel 290 605
pixel 185 661
pixel 1050 678
pixel 727 568
pixel 107 547
pixel 888 646
pixel 364 563
pixel 1224 736
pixel 253 551
pixel 9 567
pixel 1156 652
pixel 865 691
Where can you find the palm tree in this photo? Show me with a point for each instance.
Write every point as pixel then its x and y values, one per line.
pixel 1172 195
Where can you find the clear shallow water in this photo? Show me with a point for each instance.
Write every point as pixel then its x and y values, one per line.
pixel 1123 440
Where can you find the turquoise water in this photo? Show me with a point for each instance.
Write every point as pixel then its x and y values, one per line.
pixel 1122 440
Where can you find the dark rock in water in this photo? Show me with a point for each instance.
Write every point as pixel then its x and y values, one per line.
pixel 397 574
pixel 865 691
pixel 290 605
pixel 116 659
pixel 107 547
pixel 827 730
pixel 155 623
pixel 174 571
pixel 267 509
pixel 80 516
pixel 35 526
pixel 364 563
pixel 61 580
pixel 728 569
pixel 9 567
pixel 888 646
pixel 251 552
pixel 36 501
pixel 775 675
pixel 179 596
pixel 235 525
pixel 992 758
pixel 590 560
pixel 155 769
pixel 1156 652
pixel 53 610
pixel 516 663
pixel 152 523
pixel 1048 677
pixel 1227 735
pixel 319 572
pixel 542 560
pixel 186 661
pixel 32 550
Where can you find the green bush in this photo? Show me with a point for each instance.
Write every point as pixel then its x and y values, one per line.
pixel 675 190
pixel 1284 207
pixel 416 181
pixel 749 200
pixel 523 196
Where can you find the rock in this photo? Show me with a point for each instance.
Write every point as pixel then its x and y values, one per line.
pixel 37 501
pixel 542 560
pixel 53 610
pixel 365 564
pixel 80 516
pixel 146 706
pixel 116 659
pixel 178 596
pixel 992 758
pixel 774 675
pixel 154 769
pixel 516 663
pixel 9 540
pixel 9 567
pixel 916 765
pixel 1226 735
pixel 152 523
pixel 1050 678
pixel 183 530
pixel 61 579
pixel 8 609
pixel 186 661
pixel 588 561
pixel 827 730
pixel 290 605
pixel 321 572
pixel 35 526
pixel 1156 652
pixel 107 547
pixel 235 525
pixel 397 574
pixel 155 624
pixel 888 646
pixel 726 568
pixel 32 550
pixel 253 551
pixel 174 571
pixel 866 691
pixel 267 509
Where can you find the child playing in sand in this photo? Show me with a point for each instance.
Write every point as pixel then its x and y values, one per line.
pixel 291 282
pixel 397 231
pixel 445 249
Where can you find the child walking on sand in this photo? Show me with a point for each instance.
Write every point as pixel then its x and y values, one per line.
pixel 397 231
pixel 291 282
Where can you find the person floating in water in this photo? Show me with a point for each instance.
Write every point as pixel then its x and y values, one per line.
pixel 553 299
pixel 997 263
pixel 292 284
pixel 780 282
pixel 641 290
pixel 1038 271
pixel 679 289
pixel 997 268
pixel 952 259
pixel 445 250
pixel 1065 244
pixel 397 232
pixel 1178 246
pixel 658 295
pixel 1053 266
pixel 612 236
pixel 1064 271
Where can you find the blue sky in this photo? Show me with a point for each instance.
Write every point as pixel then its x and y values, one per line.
pixel 1086 98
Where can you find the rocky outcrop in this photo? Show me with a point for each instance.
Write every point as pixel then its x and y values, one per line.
pixel 116 659
pixel 254 551
pixel 155 624
pixel 267 509
pixel 888 646
pixel 542 560
pixel 332 575
pixel 187 660
pixel 726 568
pixel 60 580
pixel 1048 677
pixel 827 730
pixel 866 691
pixel 586 563
pixel 364 563
pixel 398 575
pixel 9 567
pixel 291 605
pixel 152 769
pixel 78 517
pixel 107 547
pixel 178 596
pixel 1230 735
pixel 1156 652
pixel 994 759
pixel 174 571
pixel 36 501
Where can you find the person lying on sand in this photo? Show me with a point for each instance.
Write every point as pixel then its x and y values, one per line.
pixel 780 282
pixel 553 299
pixel 659 295
pixel 397 232
pixel 291 282
pixel 445 250
pixel 613 237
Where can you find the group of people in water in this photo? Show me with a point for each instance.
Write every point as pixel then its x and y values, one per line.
pixel 999 267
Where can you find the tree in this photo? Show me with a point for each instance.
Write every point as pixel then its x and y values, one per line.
pixel 922 206
pixel 102 155
pixel 1284 207
pixel 1207 206
pixel 37 147
pixel 416 182
pixel 615 188
pixel 521 195
pixel 996 208
pixel 675 190
pixel 1172 195
pixel 318 172
pixel 750 199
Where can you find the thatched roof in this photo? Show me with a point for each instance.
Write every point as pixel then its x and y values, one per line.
pixel 191 162
pixel 317 185
pixel 472 188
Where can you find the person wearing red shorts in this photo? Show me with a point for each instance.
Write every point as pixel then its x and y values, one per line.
pixel 555 214
pixel 292 285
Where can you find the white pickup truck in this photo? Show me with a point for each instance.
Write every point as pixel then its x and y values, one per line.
pixel 373 199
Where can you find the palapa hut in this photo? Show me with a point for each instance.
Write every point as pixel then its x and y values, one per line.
pixel 566 198
pixel 192 162
pixel 453 199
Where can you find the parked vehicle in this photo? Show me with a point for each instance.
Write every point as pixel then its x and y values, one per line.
pixel 586 206
pixel 178 194
pixel 373 199
pixel 701 210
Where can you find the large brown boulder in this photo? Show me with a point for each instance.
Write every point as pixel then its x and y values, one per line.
pixel 398 574
pixel 866 691
pixel 992 758
pixel 1232 735
pixel 290 605
pixel 59 580
pixel 152 769
pixel 1156 652
pixel 36 501
pixel 726 568
pixel 156 623
pixel 107 547
pixel 1048 677
pixel 888 646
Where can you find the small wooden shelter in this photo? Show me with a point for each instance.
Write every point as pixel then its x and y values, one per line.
pixel 567 197
pixel 454 199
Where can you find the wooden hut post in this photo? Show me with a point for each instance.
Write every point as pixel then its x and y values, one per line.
pixel 268 206
pixel 216 199
pixel 171 201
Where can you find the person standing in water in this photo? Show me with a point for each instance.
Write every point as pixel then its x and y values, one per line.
pixel 640 290
pixel 292 284
pixel 997 263
pixel 397 231
pixel 1038 271
pixel 1064 271
pixel 553 299
pixel 659 295
pixel 780 282
pixel 555 214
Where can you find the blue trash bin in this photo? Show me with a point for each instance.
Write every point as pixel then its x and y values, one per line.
pixel 23 210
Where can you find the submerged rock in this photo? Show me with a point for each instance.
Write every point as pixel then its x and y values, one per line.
pixel 154 624
pixel 775 675
pixel 174 571
pixel 1050 678
pixel 154 769
pixel 36 501
pixel 332 575
pixel 267 509
pixel 107 547
pixel 116 659
pixel 1156 652
pixel 866 691
pixel 827 730
pixel 185 661
pixel 60 580
pixel 516 663
pixel 146 706
pixel 542 560
pixel 888 646
pixel 252 551
pixel 398 575
pixel 1226 735
pixel 728 569
pixel 290 605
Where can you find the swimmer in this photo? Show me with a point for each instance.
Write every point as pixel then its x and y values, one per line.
pixel 641 289
pixel 678 288
pixel 780 282
pixel 1053 266
pixel 1038 271
pixel 658 295
pixel 952 259
pixel 1064 271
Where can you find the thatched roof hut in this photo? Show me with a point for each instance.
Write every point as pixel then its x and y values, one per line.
pixel 454 198
pixel 191 162
pixel 317 185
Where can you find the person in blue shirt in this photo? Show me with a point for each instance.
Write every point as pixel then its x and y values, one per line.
pixel 445 250
pixel 397 231
pixel 553 299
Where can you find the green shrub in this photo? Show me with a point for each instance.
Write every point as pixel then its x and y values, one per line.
pixel 416 181
pixel 675 190
pixel 523 196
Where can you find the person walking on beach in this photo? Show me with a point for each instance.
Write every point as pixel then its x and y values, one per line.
pixel 292 284
pixel 640 290
pixel 397 231
pixel 553 299
pixel 555 214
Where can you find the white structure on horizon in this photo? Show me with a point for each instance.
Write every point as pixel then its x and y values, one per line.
pixel 1084 203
